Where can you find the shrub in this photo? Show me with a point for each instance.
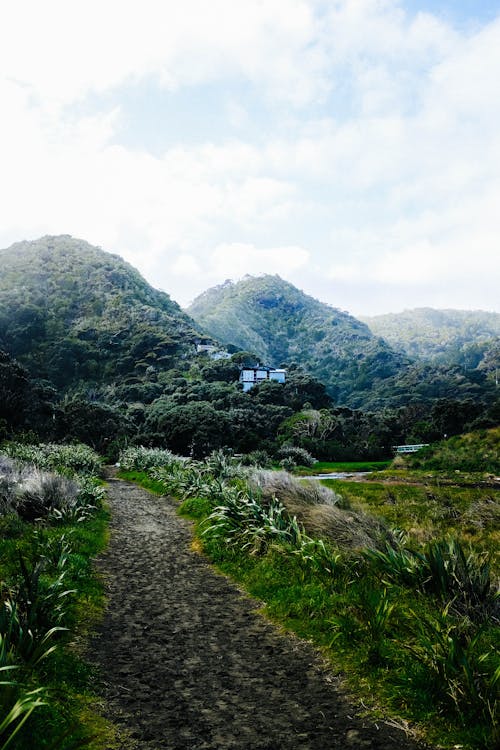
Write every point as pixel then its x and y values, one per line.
pixel 40 493
pixel 138 458
pixel 321 510
pixel 245 520
pixel 258 458
pixel 69 459
pixel 299 456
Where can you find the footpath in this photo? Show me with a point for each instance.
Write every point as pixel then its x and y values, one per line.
pixel 187 663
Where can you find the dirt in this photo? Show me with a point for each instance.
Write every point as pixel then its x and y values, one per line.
pixel 188 663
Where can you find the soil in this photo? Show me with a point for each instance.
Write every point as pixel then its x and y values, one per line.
pixel 187 662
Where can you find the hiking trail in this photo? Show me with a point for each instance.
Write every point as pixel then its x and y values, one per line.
pixel 187 663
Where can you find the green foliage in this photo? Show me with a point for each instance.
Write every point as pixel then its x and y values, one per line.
pixel 139 458
pixel 476 451
pixel 47 588
pixel 69 459
pixel 458 337
pixel 271 317
pixel 298 456
pixel 71 312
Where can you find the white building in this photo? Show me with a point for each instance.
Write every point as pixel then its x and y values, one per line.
pixel 250 376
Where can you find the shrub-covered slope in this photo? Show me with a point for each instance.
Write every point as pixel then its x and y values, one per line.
pixel 474 451
pixel 470 338
pixel 71 312
pixel 280 323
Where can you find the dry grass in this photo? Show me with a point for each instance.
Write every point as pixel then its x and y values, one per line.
pixel 321 511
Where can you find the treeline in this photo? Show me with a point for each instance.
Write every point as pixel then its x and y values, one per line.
pixel 201 408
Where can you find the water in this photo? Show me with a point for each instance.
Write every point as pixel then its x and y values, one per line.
pixel 339 475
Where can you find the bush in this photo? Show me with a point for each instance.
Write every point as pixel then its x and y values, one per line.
pixel 299 456
pixel 322 511
pixel 139 458
pixel 69 459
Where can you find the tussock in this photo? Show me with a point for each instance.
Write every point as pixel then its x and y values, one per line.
pixel 321 511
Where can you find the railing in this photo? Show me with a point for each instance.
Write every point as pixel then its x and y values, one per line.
pixel 409 448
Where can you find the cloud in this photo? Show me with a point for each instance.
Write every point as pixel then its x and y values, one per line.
pixel 367 134
pixel 68 50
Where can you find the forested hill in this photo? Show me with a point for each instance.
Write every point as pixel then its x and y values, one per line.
pixel 468 338
pixel 281 324
pixel 71 312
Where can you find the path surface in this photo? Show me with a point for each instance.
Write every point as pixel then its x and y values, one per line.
pixel 186 662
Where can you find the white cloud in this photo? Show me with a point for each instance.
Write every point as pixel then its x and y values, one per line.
pixel 401 161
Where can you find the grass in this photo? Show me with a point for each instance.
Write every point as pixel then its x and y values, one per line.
pixel 50 599
pixel 68 718
pixel 326 467
pixel 431 511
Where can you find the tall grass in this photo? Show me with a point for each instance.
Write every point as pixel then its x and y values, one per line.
pixel 51 523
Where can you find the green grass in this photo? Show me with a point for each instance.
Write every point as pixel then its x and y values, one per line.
pixel 428 512
pixel 324 467
pixel 472 452
pixel 142 478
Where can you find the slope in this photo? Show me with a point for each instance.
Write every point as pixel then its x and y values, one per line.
pixel 281 324
pixel 71 312
pixel 461 337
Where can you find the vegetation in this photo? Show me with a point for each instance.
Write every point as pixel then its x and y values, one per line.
pixel 93 354
pixel 281 324
pixel 411 617
pixel 469 339
pixel 472 452
pixel 51 526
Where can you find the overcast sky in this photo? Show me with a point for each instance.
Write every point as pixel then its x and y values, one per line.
pixel 352 146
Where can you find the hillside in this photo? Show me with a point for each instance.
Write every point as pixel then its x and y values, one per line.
pixel 468 338
pixel 71 312
pixel 281 324
pixel 474 451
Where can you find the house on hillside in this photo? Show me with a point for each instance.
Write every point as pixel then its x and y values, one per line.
pixel 250 376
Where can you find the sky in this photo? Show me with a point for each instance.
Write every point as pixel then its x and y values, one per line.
pixel 351 146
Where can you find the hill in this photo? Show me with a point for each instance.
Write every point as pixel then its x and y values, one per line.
pixel 281 324
pixel 70 313
pixel 468 338
pixel 474 451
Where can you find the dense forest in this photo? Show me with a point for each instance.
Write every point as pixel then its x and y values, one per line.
pixel 92 352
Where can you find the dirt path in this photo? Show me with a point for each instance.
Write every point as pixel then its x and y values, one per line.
pixel 188 664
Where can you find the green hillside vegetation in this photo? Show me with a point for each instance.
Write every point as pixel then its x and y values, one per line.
pixel 472 452
pixel 90 352
pixel 282 325
pixel 72 313
pixel 466 338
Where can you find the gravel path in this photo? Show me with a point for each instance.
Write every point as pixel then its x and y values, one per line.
pixel 188 664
